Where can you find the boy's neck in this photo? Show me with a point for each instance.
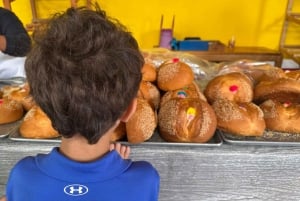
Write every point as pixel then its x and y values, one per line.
pixel 78 149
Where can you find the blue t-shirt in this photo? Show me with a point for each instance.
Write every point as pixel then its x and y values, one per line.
pixel 53 177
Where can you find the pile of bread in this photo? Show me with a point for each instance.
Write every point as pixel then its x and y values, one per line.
pixel 249 99
pixel 245 99
pixel 239 100
pixel 17 104
pixel 174 103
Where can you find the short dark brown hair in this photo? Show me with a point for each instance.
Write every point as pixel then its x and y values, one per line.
pixel 84 70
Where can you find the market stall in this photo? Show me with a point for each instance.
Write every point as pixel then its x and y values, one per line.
pixel 225 167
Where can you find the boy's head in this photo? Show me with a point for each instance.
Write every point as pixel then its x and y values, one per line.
pixel 84 71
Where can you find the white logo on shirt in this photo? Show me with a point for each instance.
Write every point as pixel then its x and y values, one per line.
pixel 76 189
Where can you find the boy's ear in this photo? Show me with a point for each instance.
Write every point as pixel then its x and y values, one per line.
pixel 129 111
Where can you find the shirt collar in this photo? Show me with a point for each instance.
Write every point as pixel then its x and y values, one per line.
pixel 59 166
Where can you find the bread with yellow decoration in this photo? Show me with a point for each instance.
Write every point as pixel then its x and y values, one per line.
pixel 186 120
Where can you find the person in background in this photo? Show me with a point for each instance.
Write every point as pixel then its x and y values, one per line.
pixel 15 43
pixel 84 71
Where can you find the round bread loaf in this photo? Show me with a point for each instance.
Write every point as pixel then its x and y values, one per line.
pixel 282 117
pixel 149 92
pixel 28 102
pixel 142 124
pixel 119 132
pixel 293 74
pixel 18 95
pixel 22 95
pixel 6 90
pixel 149 71
pixel 173 75
pixel 271 74
pixel 245 119
pixel 36 124
pixel 190 91
pixel 232 86
pixel 10 110
pixel 282 90
pixel 186 120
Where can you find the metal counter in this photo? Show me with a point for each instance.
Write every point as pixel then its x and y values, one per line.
pixel 227 172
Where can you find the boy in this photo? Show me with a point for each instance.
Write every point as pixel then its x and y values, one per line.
pixel 84 71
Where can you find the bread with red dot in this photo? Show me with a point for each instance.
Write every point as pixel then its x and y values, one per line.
pixel 234 86
pixel 174 74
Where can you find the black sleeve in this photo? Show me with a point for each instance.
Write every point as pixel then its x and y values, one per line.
pixel 18 42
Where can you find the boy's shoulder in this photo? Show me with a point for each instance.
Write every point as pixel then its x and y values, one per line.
pixel 27 162
pixel 144 169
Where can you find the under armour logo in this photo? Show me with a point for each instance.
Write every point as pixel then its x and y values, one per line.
pixel 76 189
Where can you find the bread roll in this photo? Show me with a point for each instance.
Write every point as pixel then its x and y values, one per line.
pixel 245 119
pixel 293 74
pixel 186 120
pixel 149 71
pixel 281 90
pixel 232 86
pixel 8 89
pixel 10 110
pixel 22 95
pixel 271 74
pixel 173 75
pixel 36 124
pixel 190 91
pixel 149 92
pixel 282 117
pixel 142 124
pixel 119 132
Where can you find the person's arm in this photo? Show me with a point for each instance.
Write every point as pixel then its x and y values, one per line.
pixel 18 41
pixel 2 45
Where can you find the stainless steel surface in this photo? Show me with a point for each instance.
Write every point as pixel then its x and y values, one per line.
pixel 6 129
pixel 155 140
pixel 215 141
pixel 16 136
pixel 225 173
pixel 269 138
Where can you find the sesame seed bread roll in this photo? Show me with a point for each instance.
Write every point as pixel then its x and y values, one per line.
pixel 36 124
pixel 271 74
pixel 119 132
pixel 244 119
pixel 142 124
pixel 190 91
pixel 232 86
pixel 282 117
pixel 173 75
pixel 149 92
pixel 186 120
pixel 282 90
pixel 10 110
pixel 149 71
